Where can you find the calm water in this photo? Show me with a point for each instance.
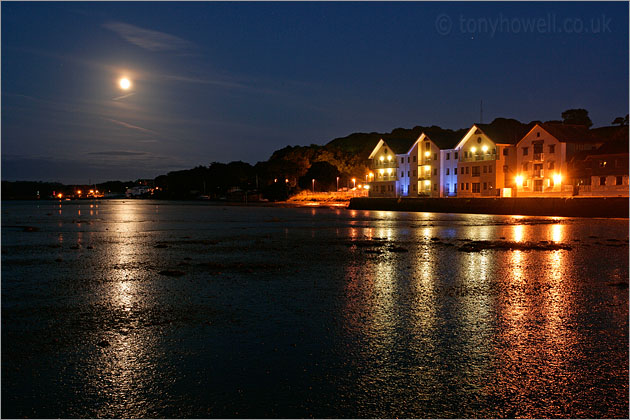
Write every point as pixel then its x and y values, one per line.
pixel 158 309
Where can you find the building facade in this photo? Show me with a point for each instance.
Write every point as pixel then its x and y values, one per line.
pixel 485 164
pixel 550 160
pixel 543 155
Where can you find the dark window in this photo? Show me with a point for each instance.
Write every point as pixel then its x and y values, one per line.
pixel 485 185
pixel 408 174
pixel 476 171
pixel 455 171
pixel 467 186
pixel 475 187
pixel 447 170
pixel 619 180
pixel 538 134
pixel 602 180
pixel 505 151
pixel 435 171
pixel 414 158
pixel 490 168
pixel 427 145
pixel 448 156
pixel 525 151
pixel 455 155
pixel 408 159
pixel 402 160
pixel 467 169
pixel 479 140
pixel 551 164
pixel 434 156
pixel 434 187
pixel 385 150
pixel 552 148
pixel 462 186
pixel 485 169
pixel 402 174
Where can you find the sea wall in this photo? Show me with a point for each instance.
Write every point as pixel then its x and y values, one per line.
pixel 616 207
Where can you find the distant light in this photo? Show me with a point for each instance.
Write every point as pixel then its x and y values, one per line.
pixel 382 171
pixel 59 195
pixel 485 149
pixel 124 83
pixel 389 157
pixel 79 192
pixel 367 187
pixel 382 158
pixel 427 154
pixel 389 171
pixel 359 186
pixel 427 182
pixel 473 149
pixel 519 181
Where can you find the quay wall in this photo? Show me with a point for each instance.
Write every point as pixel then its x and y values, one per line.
pixel 610 207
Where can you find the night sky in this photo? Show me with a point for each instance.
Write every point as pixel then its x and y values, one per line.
pixel 236 81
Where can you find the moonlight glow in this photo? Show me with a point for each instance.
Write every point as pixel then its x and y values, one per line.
pixel 124 83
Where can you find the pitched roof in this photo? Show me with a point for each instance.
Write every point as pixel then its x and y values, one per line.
pixel 502 135
pixel 611 148
pixel 570 133
pixel 445 139
pixel 400 146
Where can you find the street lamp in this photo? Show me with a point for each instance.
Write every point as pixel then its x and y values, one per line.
pixel 313 185
pixel 337 184
pixel 354 182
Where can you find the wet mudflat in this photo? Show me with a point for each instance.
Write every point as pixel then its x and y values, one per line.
pixel 156 309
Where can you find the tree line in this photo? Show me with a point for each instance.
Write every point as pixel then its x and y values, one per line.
pixel 288 170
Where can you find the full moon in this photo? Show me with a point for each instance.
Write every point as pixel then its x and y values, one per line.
pixel 125 83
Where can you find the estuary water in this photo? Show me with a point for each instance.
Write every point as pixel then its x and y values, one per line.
pixel 127 308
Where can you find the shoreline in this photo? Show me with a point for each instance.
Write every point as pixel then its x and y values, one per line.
pixel 610 207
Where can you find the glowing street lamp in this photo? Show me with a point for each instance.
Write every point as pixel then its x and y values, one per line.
pixel 354 182
pixel 337 183
pixel 519 180
pixel 313 185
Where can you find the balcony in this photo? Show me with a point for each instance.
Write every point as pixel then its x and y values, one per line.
pixel 490 155
pixel 538 157
pixel 378 164
pixel 538 173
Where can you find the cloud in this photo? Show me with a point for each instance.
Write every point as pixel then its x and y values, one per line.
pixel 118 98
pixel 118 153
pixel 146 38
pixel 131 126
